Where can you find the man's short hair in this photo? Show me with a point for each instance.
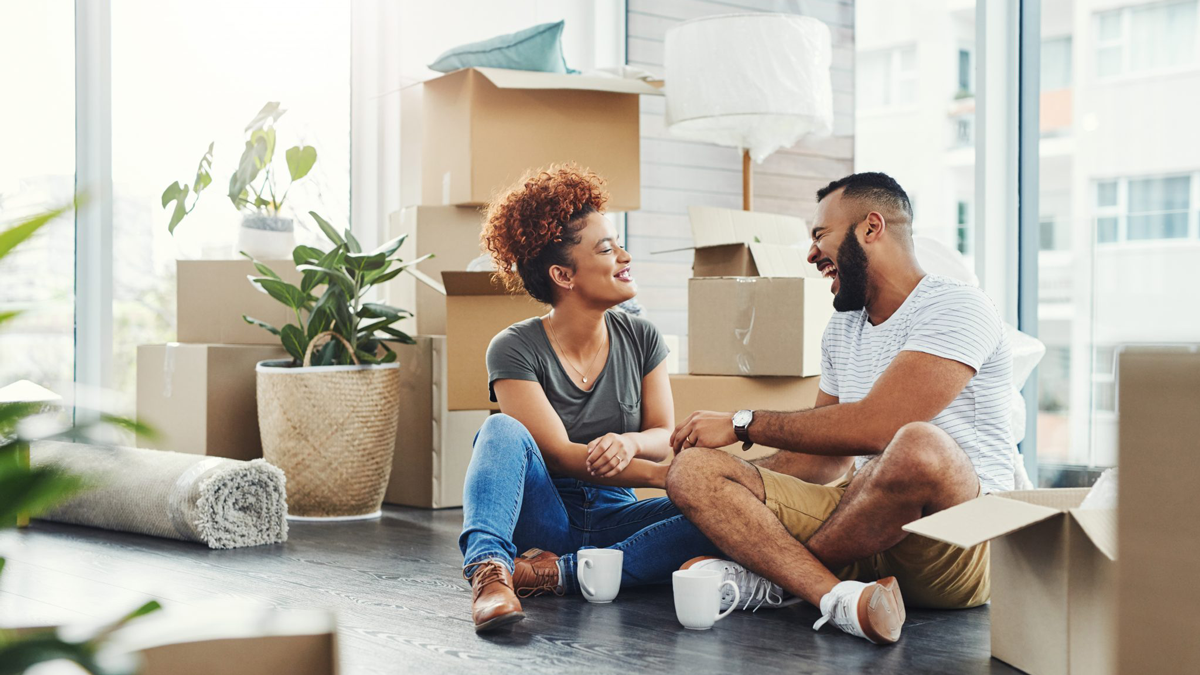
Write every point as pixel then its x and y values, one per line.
pixel 874 188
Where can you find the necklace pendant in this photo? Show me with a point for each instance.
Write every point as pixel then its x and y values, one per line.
pixel 585 380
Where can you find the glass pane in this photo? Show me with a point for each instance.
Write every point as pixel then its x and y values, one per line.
pixel 1056 64
pixel 37 173
pixel 188 74
pixel 1162 36
pixel 935 68
pixel 1119 184
pixel 873 80
pixel 1108 62
pixel 1106 194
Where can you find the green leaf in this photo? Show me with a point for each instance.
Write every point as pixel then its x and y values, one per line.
pixel 387 249
pixel 34 490
pixel 318 321
pixel 294 341
pixel 328 229
pixel 204 171
pixel 396 336
pixel 389 357
pixel 306 254
pixel 365 331
pixel 248 169
pixel 365 262
pixel 268 115
pixel 283 292
pixel 127 424
pixel 352 243
pixel 338 276
pixel 261 324
pixel 264 146
pixel 262 269
pixel 300 160
pixel 23 230
pixel 375 310
pixel 178 194
pixel 8 316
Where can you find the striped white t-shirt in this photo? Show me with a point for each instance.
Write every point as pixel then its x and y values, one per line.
pixel 946 318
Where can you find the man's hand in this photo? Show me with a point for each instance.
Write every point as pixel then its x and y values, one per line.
pixel 609 455
pixel 705 429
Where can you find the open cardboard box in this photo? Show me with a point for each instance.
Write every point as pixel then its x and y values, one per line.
pixel 433 443
pixel 201 398
pixel 485 127
pixel 728 243
pixel 1053 576
pixel 212 295
pixel 477 308
pixel 451 234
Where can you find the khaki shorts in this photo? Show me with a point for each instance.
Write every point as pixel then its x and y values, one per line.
pixel 931 574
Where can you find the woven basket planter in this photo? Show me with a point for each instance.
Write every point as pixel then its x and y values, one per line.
pixel 332 430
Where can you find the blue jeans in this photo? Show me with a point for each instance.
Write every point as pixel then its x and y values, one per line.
pixel 512 504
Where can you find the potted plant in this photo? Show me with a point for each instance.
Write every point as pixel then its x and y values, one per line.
pixel 328 415
pixel 264 233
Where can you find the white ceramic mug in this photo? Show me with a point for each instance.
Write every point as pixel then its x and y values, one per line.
pixel 698 598
pixel 599 573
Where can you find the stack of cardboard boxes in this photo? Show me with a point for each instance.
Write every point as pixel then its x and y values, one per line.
pixel 756 313
pixel 199 393
pixel 465 137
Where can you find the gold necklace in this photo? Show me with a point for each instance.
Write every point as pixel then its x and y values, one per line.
pixel 550 320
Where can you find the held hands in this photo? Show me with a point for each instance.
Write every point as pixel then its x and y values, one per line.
pixel 704 428
pixel 610 454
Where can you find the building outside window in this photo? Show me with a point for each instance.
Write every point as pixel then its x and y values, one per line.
pixel 1146 38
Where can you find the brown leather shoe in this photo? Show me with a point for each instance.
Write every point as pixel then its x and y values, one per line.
pixel 493 602
pixel 536 572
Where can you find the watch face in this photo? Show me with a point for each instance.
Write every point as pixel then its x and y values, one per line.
pixel 741 418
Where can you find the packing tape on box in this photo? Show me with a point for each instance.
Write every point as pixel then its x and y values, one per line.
pixel 168 369
pixel 744 314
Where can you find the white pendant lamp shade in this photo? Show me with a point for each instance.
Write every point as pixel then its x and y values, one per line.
pixel 754 81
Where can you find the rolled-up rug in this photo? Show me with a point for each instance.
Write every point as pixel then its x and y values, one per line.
pixel 223 503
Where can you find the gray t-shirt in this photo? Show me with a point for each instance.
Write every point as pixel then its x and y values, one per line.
pixel 614 404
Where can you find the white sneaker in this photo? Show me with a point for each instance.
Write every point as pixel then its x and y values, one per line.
pixel 874 611
pixel 754 588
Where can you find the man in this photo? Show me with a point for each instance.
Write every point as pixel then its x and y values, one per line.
pixel 914 394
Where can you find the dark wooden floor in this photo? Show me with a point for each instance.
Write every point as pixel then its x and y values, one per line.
pixel 402 606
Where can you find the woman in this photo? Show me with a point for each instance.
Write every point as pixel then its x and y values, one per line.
pixel 586 410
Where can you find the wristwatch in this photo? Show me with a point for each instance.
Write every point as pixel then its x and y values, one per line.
pixel 741 427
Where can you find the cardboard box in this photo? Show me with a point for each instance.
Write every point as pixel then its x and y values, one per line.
pixel 729 394
pixel 1158 604
pixel 1054 576
pixel 451 234
pixel 433 443
pixel 232 639
pixel 477 308
pixel 212 296
pixel 201 398
pixel 728 243
pixel 485 127
pixel 672 343
pixel 412 143
pixel 757 325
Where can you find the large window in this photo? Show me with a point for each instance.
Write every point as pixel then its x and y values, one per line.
pixel 37 172
pixel 1145 38
pixel 1119 191
pixel 187 74
pixel 886 79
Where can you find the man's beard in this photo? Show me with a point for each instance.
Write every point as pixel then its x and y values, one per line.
pixel 852 275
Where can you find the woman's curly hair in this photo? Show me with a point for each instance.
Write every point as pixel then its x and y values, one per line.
pixel 533 225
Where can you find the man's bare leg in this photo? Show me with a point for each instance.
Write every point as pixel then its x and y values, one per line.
pixel 724 497
pixel 921 472
pixel 818 469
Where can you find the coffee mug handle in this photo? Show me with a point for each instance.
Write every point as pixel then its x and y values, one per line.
pixel 737 597
pixel 587 590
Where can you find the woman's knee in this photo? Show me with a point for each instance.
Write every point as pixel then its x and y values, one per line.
pixel 503 431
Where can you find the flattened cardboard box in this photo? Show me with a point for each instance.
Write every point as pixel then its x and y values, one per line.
pixel 433 443
pixel 451 234
pixel 485 127
pixel 477 308
pixel 212 295
pixel 1053 576
pixel 729 394
pixel 201 398
pixel 757 326
pixel 728 243
pixel 1158 601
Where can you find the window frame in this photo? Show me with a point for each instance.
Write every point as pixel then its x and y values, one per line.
pixel 1125 43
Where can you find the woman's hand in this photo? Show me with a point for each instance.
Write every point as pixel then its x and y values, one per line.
pixel 610 454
